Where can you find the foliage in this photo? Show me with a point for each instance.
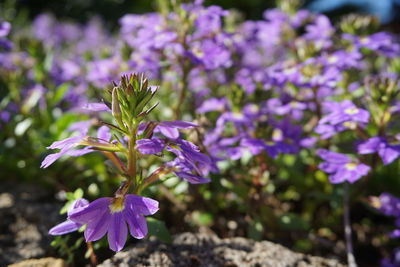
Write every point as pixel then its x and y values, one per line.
pixel 290 110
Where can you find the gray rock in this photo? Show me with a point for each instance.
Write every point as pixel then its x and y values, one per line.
pixel 206 249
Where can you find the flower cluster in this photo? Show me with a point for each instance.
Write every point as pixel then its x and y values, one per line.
pixel 288 90
pixel 128 101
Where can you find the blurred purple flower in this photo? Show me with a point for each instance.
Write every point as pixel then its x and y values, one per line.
pixel 341 116
pixel 212 104
pixel 320 32
pixel 387 152
pixel 389 205
pixel 170 128
pixel 5 28
pixel 341 167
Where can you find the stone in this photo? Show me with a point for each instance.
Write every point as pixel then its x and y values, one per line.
pixel 27 212
pixel 206 249
pixel 43 262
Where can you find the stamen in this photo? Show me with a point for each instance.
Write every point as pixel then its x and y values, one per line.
pixel 117 205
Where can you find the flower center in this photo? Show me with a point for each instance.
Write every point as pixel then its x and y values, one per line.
pixel 333 59
pixel 277 134
pixel 254 108
pixel 351 111
pixel 198 53
pixel 117 205
pixel 351 166
pixel 350 125
pixel 364 40
pixel 237 115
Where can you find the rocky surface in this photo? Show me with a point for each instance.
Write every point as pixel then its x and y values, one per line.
pixel 27 212
pixel 206 249
pixel 44 262
pixel 26 215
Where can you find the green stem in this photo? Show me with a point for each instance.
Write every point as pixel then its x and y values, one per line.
pixel 132 157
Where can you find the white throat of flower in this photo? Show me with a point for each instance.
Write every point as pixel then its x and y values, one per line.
pixel 351 111
pixel 351 166
pixel 117 205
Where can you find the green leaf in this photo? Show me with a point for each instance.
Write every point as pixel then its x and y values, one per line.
pixel 255 230
pixel 293 222
pixel 202 218
pixel 158 229
pixel 78 193
pixel 59 93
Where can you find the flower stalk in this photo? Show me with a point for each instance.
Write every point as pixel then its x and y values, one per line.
pixel 351 260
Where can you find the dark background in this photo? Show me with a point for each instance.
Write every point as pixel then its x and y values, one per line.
pixel 111 10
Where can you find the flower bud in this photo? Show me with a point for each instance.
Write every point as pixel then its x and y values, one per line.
pixel 115 108
pixel 136 91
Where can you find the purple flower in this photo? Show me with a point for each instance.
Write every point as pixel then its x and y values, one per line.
pixel 67 146
pixel 5 28
pixel 96 107
pixel 320 32
pixel 381 42
pixel 150 146
pixel 387 152
pixel 170 128
pixel 210 54
pixel 190 154
pixel 341 167
pixel 185 171
pixel 394 261
pixel 256 146
pixel 6 44
pixel 293 108
pixel 345 111
pixel 102 71
pixel 208 20
pixel 389 205
pixel 343 115
pixel 114 216
pixel 190 164
pixel 69 226
pixel 213 104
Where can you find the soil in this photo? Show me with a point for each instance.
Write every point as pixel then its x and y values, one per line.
pixel 27 212
pixel 206 249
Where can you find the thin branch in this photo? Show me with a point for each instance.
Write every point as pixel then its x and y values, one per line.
pixel 351 260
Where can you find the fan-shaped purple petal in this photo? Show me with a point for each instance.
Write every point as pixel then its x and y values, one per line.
pixel 98 226
pixel 88 213
pixel 117 232
pixel 136 222
pixel 64 228
pixel 141 205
